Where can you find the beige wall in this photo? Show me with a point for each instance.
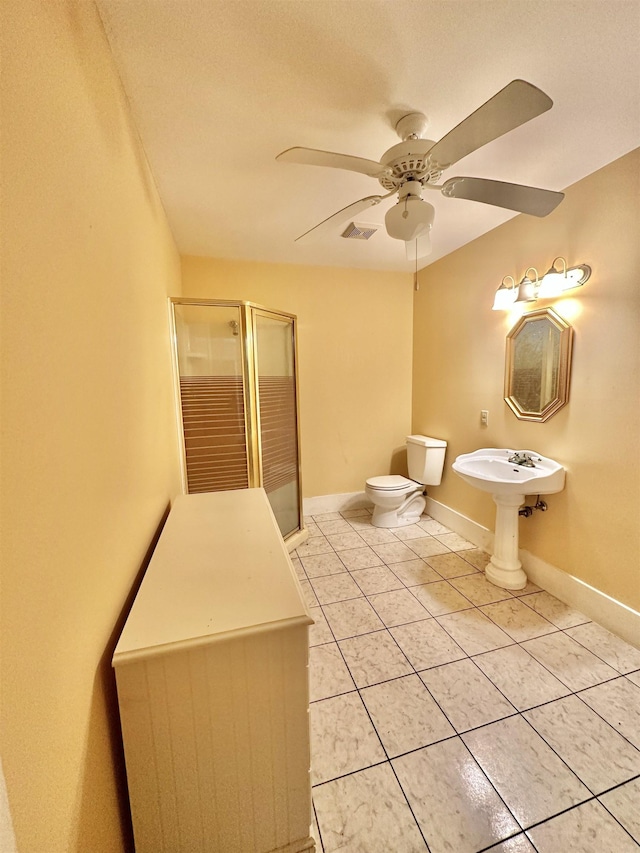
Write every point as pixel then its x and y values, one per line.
pixel 354 349
pixel 592 528
pixel 89 453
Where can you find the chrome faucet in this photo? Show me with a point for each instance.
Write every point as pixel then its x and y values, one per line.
pixel 523 459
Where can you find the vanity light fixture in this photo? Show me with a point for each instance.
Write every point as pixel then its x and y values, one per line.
pixel 505 296
pixel 528 289
pixel 552 284
pixel 555 282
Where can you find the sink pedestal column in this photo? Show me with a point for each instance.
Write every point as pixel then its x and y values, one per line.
pixel 504 568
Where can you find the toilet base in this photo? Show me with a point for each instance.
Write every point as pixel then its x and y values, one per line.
pixel 409 512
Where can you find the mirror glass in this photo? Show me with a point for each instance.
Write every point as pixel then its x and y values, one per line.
pixel 538 364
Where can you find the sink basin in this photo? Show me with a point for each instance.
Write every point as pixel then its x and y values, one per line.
pixel 489 469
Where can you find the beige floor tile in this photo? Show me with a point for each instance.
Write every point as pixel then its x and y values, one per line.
pixel 574 665
pixel 360 558
pixel 466 695
pixel 327 516
pixel 597 754
pixel 342 738
pixel 373 658
pixel 517 844
pixel 363 512
pixel 556 611
pixel 394 552
pixel 338 525
pixel 524 681
pixel 315 545
pixel 634 677
pixel 474 631
pixel 426 644
pixel 440 598
pixel 319 565
pixel 366 811
pixel 398 607
pixel 335 588
pixel 427 546
pixel 328 673
pixel 478 589
pixel 376 535
pixel 405 715
pixel 319 633
pixel 478 558
pixel 614 651
pixel 414 572
pixel 623 803
pixel 309 595
pixel 517 620
pixel 431 526
pixel 344 541
pixel 587 829
pixel 531 779
pixel 618 702
pixel 526 590
pixel 450 565
pixel 454 541
pixel 351 618
pixel 377 579
pixel 411 531
pixel 360 523
pixel 456 807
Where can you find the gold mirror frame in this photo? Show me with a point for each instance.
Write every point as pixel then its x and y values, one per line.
pixel 550 370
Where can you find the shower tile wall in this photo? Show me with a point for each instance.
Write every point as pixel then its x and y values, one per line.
pixel 450 715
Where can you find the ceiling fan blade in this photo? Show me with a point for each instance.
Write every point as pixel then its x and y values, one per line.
pixel 512 106
pixel 420 247
pixel 315 157
pixel 531 200
pixel 342 215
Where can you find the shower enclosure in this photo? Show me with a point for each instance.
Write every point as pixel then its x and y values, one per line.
pixel 237 390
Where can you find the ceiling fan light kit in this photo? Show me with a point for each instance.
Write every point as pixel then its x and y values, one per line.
pixel 410 216
pixel 417 163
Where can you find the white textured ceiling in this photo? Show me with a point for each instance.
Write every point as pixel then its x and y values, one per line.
pixel 219 87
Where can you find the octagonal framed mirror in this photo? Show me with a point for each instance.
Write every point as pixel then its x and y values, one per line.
pixel 538 365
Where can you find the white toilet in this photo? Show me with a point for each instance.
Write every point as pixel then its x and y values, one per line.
pixel 398 501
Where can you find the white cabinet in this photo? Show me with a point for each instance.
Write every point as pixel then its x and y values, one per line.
pixel 212 678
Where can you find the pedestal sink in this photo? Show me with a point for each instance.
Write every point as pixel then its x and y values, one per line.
pixel 491 470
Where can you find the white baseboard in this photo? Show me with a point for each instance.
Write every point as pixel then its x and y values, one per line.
pixel 606 611
pixel 460 524
pixel 335 503
pixel 611 614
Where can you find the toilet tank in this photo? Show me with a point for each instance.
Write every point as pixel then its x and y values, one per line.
pixel 425 459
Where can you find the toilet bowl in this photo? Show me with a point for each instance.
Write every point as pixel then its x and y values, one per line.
pixel 399 501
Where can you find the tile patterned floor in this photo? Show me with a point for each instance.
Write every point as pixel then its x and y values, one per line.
pixel 451 716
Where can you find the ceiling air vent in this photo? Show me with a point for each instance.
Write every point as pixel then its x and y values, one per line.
pixel 354 231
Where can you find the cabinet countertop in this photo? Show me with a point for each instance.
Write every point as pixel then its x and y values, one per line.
pixel 220 569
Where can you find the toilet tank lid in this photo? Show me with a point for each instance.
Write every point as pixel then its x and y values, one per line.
pixel 426 441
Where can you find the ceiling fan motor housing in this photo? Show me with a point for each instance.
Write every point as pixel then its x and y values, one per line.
pixel 408 161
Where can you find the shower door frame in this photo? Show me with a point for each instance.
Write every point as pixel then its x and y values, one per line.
pixel 250 390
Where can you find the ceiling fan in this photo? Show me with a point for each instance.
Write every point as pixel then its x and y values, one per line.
pixel 417 163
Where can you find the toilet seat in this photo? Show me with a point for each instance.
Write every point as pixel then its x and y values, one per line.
pixel 393 483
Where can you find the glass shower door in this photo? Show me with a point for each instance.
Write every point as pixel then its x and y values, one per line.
pixel 275 367
pixel 211 379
